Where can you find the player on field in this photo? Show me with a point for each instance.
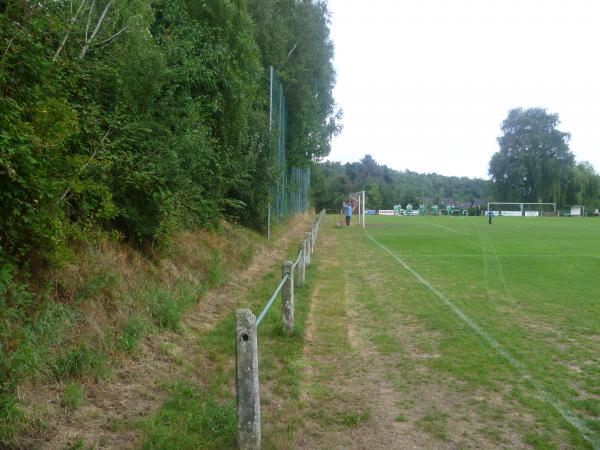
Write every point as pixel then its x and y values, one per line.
pixel 348 210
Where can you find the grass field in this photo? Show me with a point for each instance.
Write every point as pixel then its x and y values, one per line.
pixel 449 332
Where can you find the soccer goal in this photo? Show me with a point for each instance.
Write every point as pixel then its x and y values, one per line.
pixel 357 201
pixel 521 209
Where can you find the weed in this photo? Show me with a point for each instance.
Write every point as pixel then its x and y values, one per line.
pixel 135 328
pixel 247 255
pixel 216 275
pixel 72 397
pixel 79 444
pixel 434 423
pixel 169 350
pixel 80 361
pixel 351 419
pixel 165 310
pixel 96 285
pixel 12 419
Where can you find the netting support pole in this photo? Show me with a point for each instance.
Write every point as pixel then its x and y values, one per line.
pixel 363 209
pixel 270 140
pixel 246 381
pixel 287 303
pixel 269 221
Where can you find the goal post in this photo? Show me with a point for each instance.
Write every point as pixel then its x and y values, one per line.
pixel 522 209
pixel 357 201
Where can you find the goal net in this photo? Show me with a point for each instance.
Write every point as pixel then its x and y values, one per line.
pixel 357 201
pixel 521 209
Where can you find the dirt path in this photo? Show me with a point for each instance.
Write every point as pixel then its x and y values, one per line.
pixel 350 402
pixel 369 381
pixel 134 390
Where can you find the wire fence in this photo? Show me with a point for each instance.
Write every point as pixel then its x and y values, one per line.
pixel 247 381
pixel 289 193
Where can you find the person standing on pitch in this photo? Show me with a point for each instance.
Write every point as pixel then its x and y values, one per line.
pixel 490 216
pixel 348 210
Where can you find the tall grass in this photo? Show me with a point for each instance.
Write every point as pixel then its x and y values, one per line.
pixel 73 322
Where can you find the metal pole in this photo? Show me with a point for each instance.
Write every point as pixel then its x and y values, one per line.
pixel 364 208
pixel 271 143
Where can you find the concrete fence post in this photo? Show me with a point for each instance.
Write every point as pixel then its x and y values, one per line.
pixel 287 303
pixel 307 254
pixel 302 265
pixel 246 381
pixel 312 238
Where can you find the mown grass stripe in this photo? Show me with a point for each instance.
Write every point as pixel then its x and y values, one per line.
pixel 585 432
pixel 444 227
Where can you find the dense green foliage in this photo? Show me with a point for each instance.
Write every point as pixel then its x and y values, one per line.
pixel 534 163
pixel 151 116
pixel 386 187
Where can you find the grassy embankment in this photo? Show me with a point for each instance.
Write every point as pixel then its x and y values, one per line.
pixel 73 331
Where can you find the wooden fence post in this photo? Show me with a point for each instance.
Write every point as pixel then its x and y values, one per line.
pixel 246 381
pixel 287 302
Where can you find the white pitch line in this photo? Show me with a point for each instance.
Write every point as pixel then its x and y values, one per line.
pixel 506 255
pixel 444 227
pixel 585 432
pixel 498 263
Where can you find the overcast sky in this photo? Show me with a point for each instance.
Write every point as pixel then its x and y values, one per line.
pixel 425 84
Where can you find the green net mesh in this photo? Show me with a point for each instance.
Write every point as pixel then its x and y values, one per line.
pixel 289 193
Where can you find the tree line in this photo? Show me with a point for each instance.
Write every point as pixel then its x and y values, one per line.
pixel 533 164
pixel 386 187
pixel 151 116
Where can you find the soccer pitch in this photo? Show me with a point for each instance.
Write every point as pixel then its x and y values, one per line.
pixel 501 322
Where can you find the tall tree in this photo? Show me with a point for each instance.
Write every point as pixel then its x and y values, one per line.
pixel 534 161
pixel 293 37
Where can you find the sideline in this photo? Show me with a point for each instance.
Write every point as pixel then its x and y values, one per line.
pixel 573 420
pixel 510 255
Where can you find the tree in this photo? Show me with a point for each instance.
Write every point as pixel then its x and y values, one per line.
pixel 151 116
pixel 534 161
pixel 374 199
pixel 332 181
